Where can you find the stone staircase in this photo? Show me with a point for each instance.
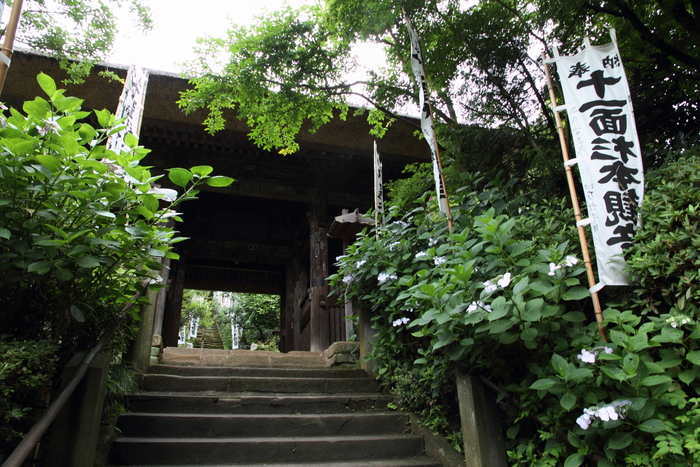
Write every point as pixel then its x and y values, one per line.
pixel 245 408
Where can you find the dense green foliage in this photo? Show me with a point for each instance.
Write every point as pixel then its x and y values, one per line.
pixel 484 70
pixel 82 30
pixel 503 294
pixel 256 316
pixel 81 230
pixel 25 376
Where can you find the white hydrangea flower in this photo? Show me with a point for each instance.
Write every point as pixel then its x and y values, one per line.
pixel 505 280
pixel 394 245
pixel 349 279
pixel 587 357
pixel 421 254
pixel 478 305
pixel 571 261
pixel 553 268
pixel 439 260
pixel 360 263
pixel 490 287
pixel 400 321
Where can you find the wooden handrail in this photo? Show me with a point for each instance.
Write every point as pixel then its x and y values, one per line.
pixel 24 448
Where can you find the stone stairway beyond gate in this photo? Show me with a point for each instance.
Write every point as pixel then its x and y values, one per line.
pixel 243 408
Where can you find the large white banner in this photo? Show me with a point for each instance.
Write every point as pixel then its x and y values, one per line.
pixel 608 153
pixel 426 119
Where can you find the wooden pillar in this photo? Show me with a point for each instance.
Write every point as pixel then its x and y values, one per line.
pixel 318 272
pixel 173 303
pixel 160 302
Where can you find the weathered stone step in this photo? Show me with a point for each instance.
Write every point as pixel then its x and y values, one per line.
pixel 172 383
pixel 258 404
pixel 398 462
pixel 203 451
pixel 256 372
pixel 241 358
pixel 284 425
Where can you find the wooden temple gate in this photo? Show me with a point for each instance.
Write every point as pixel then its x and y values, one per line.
pixel 268 232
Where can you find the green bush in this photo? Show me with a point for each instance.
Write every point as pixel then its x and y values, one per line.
pixel 505 294
pixel 80 225
pixel 25 378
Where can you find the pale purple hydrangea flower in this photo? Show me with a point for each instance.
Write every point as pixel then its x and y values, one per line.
pixel 590 356
pixel 383 277
pixel 49 125
pixel 349 279
pixel 504 281
pixel 614 411
pixel 490 287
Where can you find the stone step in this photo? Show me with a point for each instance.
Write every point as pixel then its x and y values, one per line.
pixel 397 462
pixel 207 451
pixel 255 404
pixel 143 425
pixel 256 372
pixel 174 383
pixel 241 358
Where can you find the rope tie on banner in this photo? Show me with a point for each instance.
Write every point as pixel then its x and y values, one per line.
pixel 571 162
pixel 5 59
pixel 597 288
pixel 584 222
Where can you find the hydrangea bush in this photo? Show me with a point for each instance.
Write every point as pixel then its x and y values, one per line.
pixel 505 294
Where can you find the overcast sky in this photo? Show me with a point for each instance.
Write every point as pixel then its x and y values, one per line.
pixel 178 23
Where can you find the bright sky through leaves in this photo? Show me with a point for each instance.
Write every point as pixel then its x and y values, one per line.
pixel 177 25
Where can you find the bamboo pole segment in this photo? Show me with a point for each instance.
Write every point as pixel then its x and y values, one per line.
pixel 577 209
pixel 8 45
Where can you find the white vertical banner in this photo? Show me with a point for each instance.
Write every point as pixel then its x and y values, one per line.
pixel 130 107
pixel 378 188
pixel 608 153
pixel 426 120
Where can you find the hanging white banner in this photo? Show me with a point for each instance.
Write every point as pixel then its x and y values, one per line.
pixel 426 120
pixel 130 107
pixel 608 153
pixel 378 187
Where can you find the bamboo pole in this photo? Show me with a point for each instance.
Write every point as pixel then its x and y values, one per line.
pixel 577 209
pixel 8 45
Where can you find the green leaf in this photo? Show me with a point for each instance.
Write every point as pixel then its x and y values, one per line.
pixel 202 170
pixel 76 313
pixel 131 141
pixel 219 181
pixel 559 364
pixel 693 357
pixel 620 440
pixel 4 233
pixel 544 383
pixel 40 267
pixel 653 425
pixel 63 274
pixel 38 108
pixel 50 162
pixel 655 380
pixel 104 117
pixel 574 460
pixel 576 293
pixel 180 177
pixel 687 376
pixel 528 334
pixel 87 262
pixel 105 214
pixel 48 85
pixel 568 401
